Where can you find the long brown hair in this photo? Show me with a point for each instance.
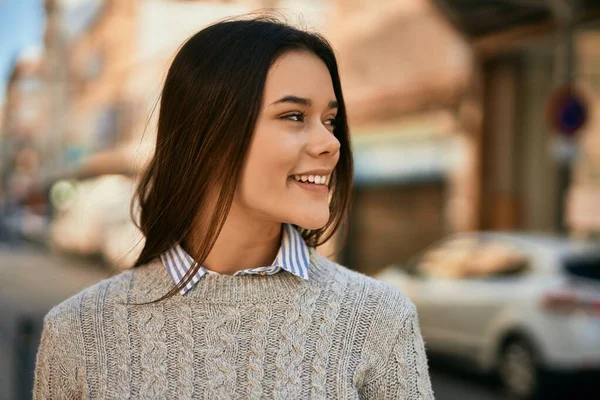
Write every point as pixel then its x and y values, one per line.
pixel 208 109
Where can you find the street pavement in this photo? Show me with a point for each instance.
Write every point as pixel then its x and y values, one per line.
pixel 452 383
pixel 32 280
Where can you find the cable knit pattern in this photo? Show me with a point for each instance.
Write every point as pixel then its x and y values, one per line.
pixel 325 337
pixel 153 355
pixel 54 382
pixel 418 349
pixel 338 334
pixel 256 357
pixel 400 366
pixel 221 344
pixel 292 344
pixel 91 310
pixel 185 351
pixel 118 366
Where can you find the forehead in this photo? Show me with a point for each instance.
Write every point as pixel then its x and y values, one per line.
pixel 299 73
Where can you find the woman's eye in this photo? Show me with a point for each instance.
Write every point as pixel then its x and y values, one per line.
pixel 331 122
pixel 298 117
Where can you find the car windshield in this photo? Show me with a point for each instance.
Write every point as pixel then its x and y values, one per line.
pixel 587 266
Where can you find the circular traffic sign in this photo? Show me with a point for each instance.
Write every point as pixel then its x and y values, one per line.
pixel 566 110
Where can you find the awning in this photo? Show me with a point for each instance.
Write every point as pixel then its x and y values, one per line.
pixel 494 26
pixel 404 154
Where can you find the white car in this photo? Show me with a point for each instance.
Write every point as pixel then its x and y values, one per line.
pixel 524 306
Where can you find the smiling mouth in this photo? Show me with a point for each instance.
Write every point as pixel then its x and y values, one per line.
pixel 313 183
pixel 313 179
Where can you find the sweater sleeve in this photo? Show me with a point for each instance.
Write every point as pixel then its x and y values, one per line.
pixel 55 373
pixel 406 373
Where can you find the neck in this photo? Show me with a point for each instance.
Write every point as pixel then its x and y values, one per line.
pixel 244 242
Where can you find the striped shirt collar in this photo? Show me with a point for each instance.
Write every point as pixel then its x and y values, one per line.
pixel 293 257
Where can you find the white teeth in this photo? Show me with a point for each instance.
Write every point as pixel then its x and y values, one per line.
pixel 317 179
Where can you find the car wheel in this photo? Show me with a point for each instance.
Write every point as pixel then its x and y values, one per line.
pixel 518 370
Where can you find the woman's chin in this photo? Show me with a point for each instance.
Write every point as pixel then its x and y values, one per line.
pixel 312 222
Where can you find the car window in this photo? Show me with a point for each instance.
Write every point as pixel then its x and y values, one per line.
pixel 472 258
pixel 583 266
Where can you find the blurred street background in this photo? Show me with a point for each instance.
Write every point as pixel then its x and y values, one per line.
pixel 476 133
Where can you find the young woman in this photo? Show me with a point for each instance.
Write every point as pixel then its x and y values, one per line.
pixel 229 299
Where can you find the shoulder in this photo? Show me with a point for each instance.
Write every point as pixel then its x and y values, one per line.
pixel 367 294
pixel 68 314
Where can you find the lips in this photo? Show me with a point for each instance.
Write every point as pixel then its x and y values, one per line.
pixel 312 187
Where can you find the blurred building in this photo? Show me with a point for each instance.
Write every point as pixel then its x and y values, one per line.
pixel 483 72
pixel 22 101
pixel 90 46
pixel 71 102
pixel 524 51
pixel 404 69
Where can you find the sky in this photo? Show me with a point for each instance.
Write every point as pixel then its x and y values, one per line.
pixel 22 24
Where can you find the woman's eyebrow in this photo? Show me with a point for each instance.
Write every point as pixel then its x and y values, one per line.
pixel 303 101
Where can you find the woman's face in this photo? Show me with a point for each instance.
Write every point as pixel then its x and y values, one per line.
pixel 293 151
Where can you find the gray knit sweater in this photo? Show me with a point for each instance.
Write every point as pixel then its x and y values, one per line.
pixel 339 335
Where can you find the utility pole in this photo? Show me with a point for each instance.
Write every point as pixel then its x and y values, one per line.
pixel 564 12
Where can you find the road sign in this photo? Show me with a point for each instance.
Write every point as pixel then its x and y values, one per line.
pixel 566 110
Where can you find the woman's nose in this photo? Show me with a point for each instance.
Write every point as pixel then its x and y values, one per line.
pixel 323 141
